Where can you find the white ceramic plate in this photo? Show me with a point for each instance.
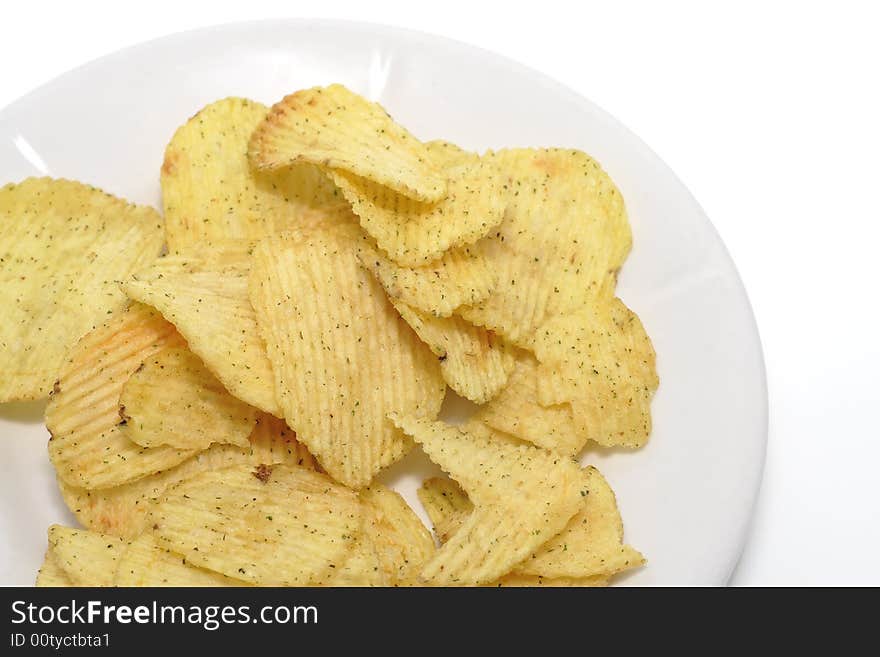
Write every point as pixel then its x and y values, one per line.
pixel 686 498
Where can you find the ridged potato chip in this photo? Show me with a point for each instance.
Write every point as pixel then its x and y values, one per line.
pixel 87 558
pixel 475 362
pixel 533 581
pixel 173 399
pixel 208 303
pixel 271 525
pixel 63 246
pixel 522 496
pixel 124 510
pixel 361 567
pixel 599 359
pixel 146 563
pixel 337 129
pixel 515 410
pixel 564 237
pixel 86 446
pixel 51 574
pixel 414 233
pixel 590 546
pixel 403 543
pixel 210 191
pixel 341 355
pixel 463 275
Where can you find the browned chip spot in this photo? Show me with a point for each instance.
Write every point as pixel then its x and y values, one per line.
pixel 263 472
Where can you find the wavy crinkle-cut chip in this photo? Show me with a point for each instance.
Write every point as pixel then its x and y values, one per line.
pixel 360 568
pixel 146 563
pixel 208 303
pixel 124 510
pixel 413 233
pixel 270 525
pixel 599 359
pixel 522 496
pixel 403 543
pixel 335 128
pixel 592 542
pixel 51 574
pixel 210 191
pixel 342 357
pixel 590 546
pixel 87 447
pixel 172 399
pixel 463 275
pixel 87 558
pixel 533 581
pixel 63 246
pixel 564 237
pixel 515 410
pixel 475 362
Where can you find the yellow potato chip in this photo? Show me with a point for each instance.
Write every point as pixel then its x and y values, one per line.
pixel 172 399
pixel 403 543
pixel 590 546
pixel 522 497
pixel 210 191
pixel 592 542
pixel 463 275
pixel 361 567
pixel 208 303
pixel 86 446
pixel 271 525
pixel 87 558
pixel 337 129
pixel 446 504
pixel 564 237
pixel 51 574
pixel 475 362
pixel 515 410
pixel 124 510
pixel 535 581
pixel 599 359
pixel 414 233
pixel 341 355
pixel 146 563
pixel 63 246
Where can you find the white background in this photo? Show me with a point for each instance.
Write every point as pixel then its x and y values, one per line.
pixel 769 113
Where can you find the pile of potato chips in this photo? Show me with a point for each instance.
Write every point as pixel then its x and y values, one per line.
pixel 225 383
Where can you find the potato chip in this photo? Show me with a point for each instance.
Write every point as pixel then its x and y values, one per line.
pixel 51 574
pixel 446 504
pixel 474 362
pixel 520 581
pixel 123 510
pixel 86 446
pixel 172 399
pixel 515 410
pixel 522 497
pixel 63 246
pixel 361 567
pixel 337 129
pixel 270 525
pixel 208 303
pixel 600 359
pixel 592 542
pixel 210 191
pixel 414 233
pixel 591 545
pixel 146 563
pixel 341 355
pixel 564 237
pixel 463 275
pixel 87 558
pixel 403 543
